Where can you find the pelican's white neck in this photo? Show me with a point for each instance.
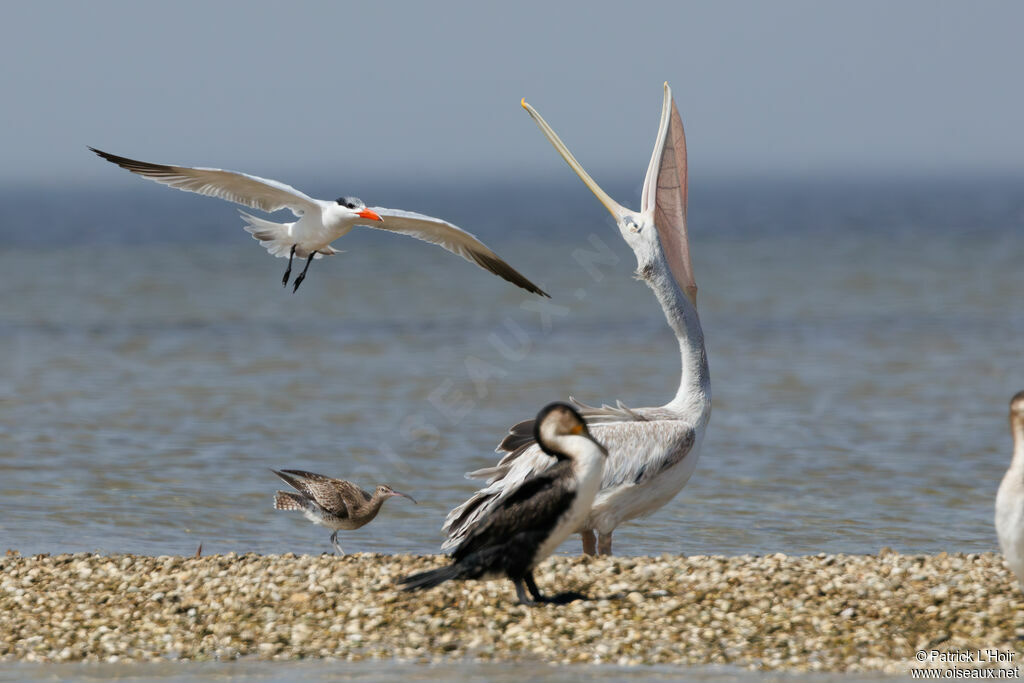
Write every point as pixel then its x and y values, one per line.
pixel 694 393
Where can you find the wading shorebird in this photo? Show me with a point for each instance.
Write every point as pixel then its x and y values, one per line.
pixel 1010 498
pixel 652 452
pixel 334 503
pixel 320 222
pixel 528 523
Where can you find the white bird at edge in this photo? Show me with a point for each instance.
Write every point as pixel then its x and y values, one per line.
pixel 320 222
pixel 1010 497
pixel 652 451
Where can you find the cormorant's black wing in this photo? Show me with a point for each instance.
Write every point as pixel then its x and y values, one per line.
pixel 535 506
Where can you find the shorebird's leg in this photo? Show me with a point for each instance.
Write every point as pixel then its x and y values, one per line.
pixel 604 544
pixel 521 593
pixel 560 599
pixel 589 542
pixel 302 275
pixel 288 270
pixel 334 542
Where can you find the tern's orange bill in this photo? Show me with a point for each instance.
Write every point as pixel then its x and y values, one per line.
pixel 370 215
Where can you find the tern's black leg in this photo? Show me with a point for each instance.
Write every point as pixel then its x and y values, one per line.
pixel 288 270
pixel 302 275
pixel 560 599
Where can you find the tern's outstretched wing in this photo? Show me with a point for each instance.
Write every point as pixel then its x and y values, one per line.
pixel 451 237
pixel 241 188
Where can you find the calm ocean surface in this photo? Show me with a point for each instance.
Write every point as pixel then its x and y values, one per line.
pixel 864 342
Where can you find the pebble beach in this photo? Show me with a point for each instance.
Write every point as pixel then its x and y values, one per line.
pixel 826 613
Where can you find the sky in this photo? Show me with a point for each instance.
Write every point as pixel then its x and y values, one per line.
pixel 432 90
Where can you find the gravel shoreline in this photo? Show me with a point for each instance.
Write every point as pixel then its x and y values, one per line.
pixel 776 612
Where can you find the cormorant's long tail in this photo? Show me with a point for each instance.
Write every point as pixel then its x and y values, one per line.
pixel 432 578
pixel 471 566
pixel 510 558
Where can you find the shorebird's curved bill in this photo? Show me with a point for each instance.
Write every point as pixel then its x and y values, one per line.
pixel 403 495
pixel 614 208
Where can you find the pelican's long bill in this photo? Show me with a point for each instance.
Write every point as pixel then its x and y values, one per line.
pixel 614 208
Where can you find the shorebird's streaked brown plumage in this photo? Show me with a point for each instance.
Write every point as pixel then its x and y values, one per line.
pixel 335 503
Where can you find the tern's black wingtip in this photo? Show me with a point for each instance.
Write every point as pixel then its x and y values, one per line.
pixel 113 158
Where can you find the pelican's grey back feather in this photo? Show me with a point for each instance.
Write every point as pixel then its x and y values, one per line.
pixel 520 435
pixel 628 434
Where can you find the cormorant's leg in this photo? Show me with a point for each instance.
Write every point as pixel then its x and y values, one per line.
pixel 560 599
pixel 288 270
pixel 334 542
pixel 521 593
pixel 604 544
pixel 302 275
pixel 589 542
pixel 532 586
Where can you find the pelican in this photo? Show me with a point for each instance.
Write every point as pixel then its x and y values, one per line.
pixel 320 222
pixel 652 451
pixel 1010 498
pixel 531 522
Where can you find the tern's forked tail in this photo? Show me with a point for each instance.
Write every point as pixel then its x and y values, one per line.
pixel 272 236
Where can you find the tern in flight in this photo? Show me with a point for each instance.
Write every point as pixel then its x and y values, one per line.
pixel 652 452
pixel 320 222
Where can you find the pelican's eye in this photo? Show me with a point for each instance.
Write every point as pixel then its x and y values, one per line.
pixel 632 225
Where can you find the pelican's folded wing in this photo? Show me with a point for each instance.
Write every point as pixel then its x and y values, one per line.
pixel 521 435
pixel 451 237
pixel 639 449
pixel 241 188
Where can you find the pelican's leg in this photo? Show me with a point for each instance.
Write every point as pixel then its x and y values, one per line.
pixel 604 544
pixel 288 270
pixel 589 542
pixel 302 275
pixel 560 599
pixel 334 542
